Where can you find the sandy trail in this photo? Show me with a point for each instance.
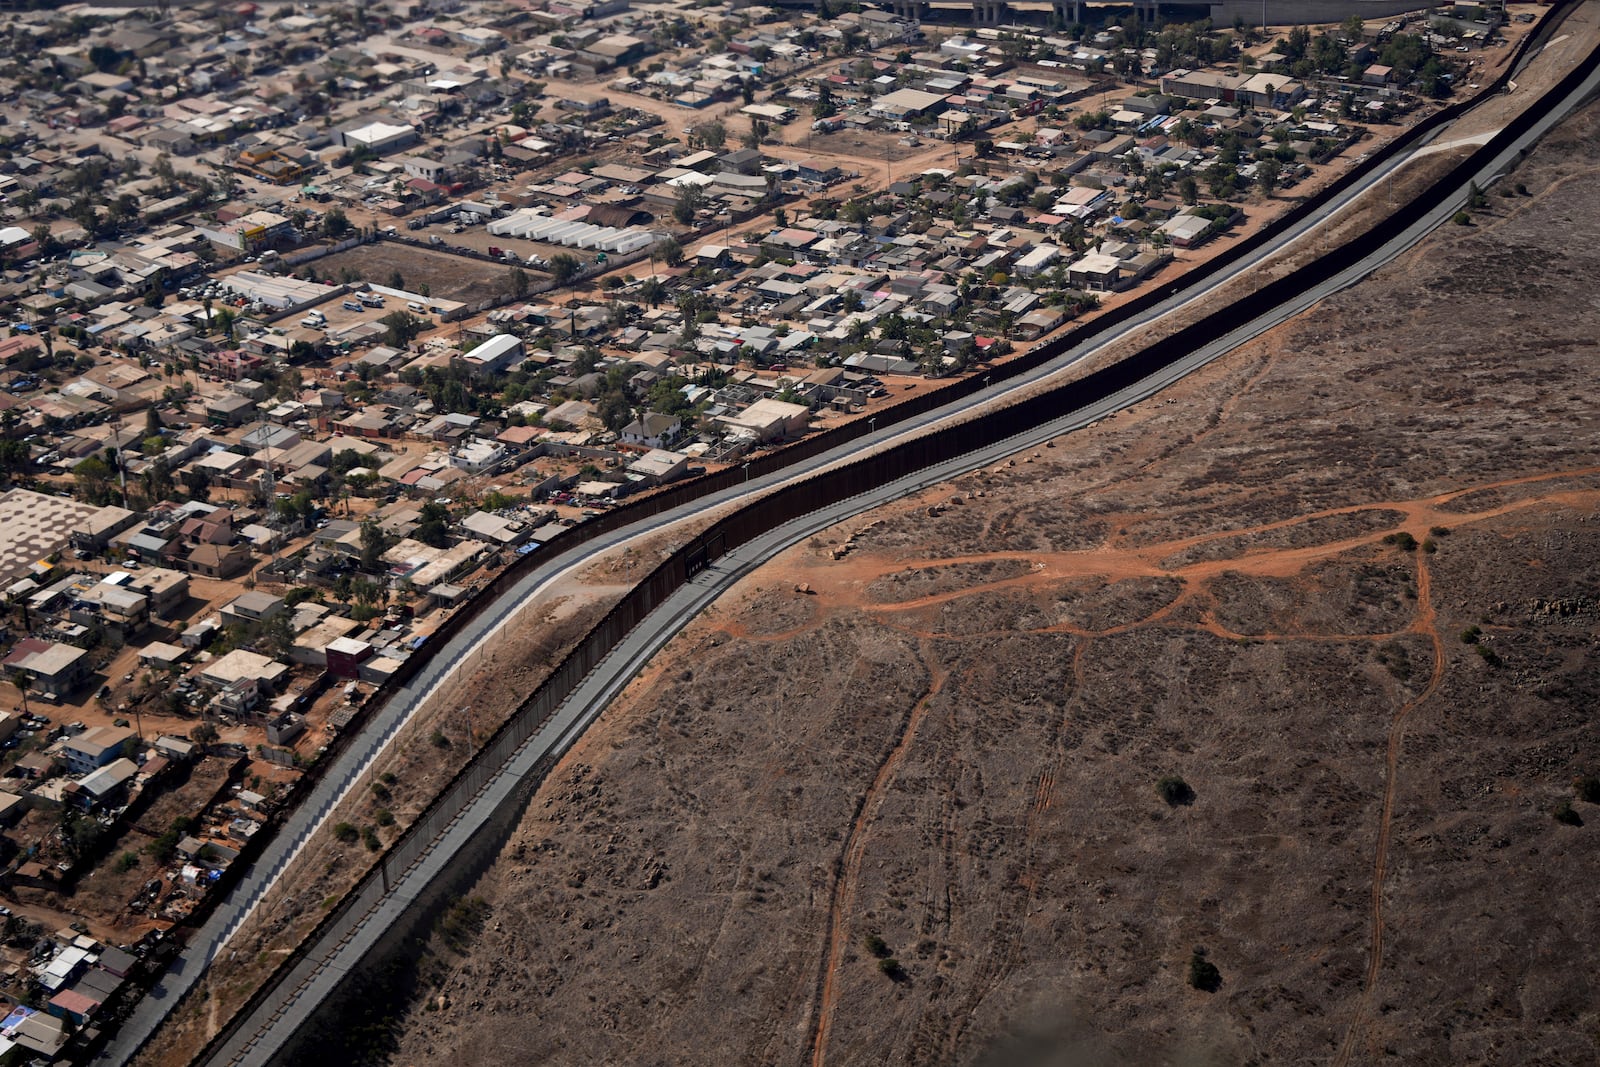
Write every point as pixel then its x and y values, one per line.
pixel 1111 565
pixel 1426 623
pixel 842 898
pixel 842 585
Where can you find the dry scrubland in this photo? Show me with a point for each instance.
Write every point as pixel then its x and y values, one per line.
pixel 953 745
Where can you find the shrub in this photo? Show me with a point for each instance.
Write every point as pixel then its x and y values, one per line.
pixel 1488 656
pixel 1393 656
pixel 1461 218
pixel 1203 974
pixel 1175 791
pixel 439 740
pixel 127 861
pixel 1402 540
pixel 1440 531
pixel 380 790
pixel 877 946
pixel 462 921
pixel 388 778
pixel 346 833
pixel 1429 545
pixel 1470 635
pixel 1588 789
pixel 163 847
pixel 370 838
pixel 384 816
pixel 1565 815
pixel 892 969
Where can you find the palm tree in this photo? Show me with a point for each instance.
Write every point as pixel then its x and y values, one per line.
pixel 23 680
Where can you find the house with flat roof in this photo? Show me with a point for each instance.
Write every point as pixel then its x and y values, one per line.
pixel 907 104
pixel 768 419
pixel 495 529
pixel 167 589
pixel 240 664
pixel 379 138
pixel 53 669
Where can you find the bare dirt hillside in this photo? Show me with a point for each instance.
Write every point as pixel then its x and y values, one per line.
pixel 1344 584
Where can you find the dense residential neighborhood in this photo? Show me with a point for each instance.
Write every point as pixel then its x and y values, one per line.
pixel 318 316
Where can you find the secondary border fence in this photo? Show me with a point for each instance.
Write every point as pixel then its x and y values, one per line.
pixel 418 674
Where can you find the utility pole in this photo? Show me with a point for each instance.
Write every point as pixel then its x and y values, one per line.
pixel 268 485
pixel 116 448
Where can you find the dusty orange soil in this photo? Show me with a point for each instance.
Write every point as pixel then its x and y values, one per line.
pixel 948 750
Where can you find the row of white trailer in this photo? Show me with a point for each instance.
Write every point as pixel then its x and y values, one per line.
pixel 534 226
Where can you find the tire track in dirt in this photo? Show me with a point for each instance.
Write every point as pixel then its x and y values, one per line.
pixel 1427 624
pixel 845 582
pixel 992 974
pixel 1225 410
pixel 1120 564
pixel 855 847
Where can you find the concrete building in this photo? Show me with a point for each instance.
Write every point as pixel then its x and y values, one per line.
pixel 1306 12
pixel 379 138
pixel 253 608
pixel 477 455
pixel 494 355
pixel 94 748
pixel 242 664
pixel 904 105
pixel 658 466
pixel 769 420
pixel 345 656
pixel 167 589
pixel 1202 84
pixel 56 670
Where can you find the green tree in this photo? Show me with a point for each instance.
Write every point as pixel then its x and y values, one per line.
pixel 434 527
pixel 335 223
pixel 93 477
pixel 1268 171
pixel 690 198
pixel 23 680
pixel 14 456
pixel 825 107
pixel 712 134
pixel 374 543
pixel 651 290
pixel 564 267
pixel 400 327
